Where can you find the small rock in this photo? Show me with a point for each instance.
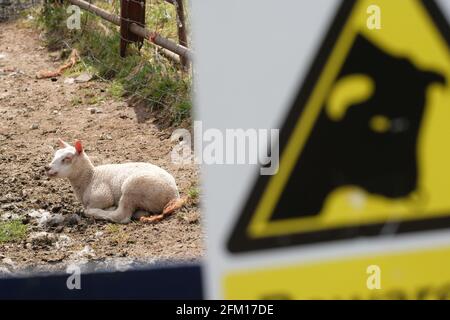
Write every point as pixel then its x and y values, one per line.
pixel 98 234
pixel 42 222
pixel 9 216
pixel 51 221
pixel 105 136
pixel 95 110
pixel 84 254
pixel 72 220
pixel 63 241
pixel 9 206
pixel 36 214
pixel 84 77
pixel 41 239
pixel 8 261
pixel 69 81
pixel 34 126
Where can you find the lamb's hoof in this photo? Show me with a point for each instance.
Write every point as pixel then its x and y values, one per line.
pixel 151 219
pixel 88 214
pixel 139 214
pixel 123 221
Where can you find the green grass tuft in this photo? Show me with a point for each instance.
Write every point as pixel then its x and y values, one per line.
pixel 112 228
pixel 193 193
pixel 11 231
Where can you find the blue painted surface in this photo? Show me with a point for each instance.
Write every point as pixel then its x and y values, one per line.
pixel 164 282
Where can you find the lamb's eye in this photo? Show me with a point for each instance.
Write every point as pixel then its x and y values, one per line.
pixel 67 159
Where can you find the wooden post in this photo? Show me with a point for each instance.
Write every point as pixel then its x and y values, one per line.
pixel 131 11
pixel 182 29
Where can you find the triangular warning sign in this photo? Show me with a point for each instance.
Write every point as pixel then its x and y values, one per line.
pixel 364 148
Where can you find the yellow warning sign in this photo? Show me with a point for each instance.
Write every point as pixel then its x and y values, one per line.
pixel 409 275
pixel 364 150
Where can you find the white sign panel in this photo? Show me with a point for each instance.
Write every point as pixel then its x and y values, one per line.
pixel 357 90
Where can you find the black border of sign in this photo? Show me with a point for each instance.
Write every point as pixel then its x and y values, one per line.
pixel 239 242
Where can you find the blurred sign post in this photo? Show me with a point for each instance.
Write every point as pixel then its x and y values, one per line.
pixel 360 206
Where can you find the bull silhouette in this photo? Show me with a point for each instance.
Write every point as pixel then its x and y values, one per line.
pixel 348 151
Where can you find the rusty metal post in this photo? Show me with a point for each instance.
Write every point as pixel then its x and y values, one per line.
pixel 131 11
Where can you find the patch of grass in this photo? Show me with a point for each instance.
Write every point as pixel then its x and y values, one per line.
pixel 11 231
pixel 76 101
pixel 95 99
pixel 144 75
pixel 119 234
pixel 193 193
pixel 116 89
pixel 112 228
pixel 183 110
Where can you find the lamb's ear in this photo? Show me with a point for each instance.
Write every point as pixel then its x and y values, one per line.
pixel 78 146
pixel 62 143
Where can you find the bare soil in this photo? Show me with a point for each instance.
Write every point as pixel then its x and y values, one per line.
pixel 33 114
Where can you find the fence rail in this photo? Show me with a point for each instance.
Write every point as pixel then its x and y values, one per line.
pixel 179 49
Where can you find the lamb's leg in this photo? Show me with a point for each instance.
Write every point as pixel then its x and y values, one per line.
pixel 122 214
pixel 170 208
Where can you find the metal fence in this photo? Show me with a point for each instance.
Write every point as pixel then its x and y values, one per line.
pixel 132 26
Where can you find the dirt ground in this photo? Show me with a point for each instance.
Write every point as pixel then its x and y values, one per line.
pixel 33 114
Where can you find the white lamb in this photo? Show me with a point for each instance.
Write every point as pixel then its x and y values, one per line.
pixel 116 191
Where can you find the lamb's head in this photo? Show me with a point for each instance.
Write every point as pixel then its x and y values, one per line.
pixel 67 160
